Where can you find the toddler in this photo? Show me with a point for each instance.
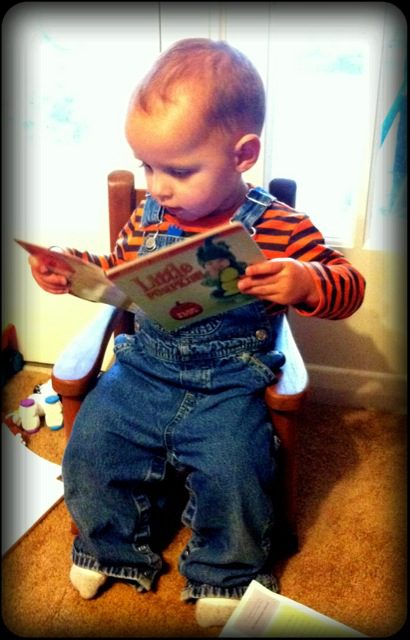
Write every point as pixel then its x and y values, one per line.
pixel 191 401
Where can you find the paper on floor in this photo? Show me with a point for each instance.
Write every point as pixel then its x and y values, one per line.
pixel 29 488
pixel 264 614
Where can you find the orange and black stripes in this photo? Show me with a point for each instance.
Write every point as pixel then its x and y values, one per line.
pixel 281 232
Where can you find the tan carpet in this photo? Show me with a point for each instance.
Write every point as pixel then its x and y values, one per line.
pixel 351 564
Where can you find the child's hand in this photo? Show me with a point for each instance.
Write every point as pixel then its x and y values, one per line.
pixel 48 279
pixel 282 280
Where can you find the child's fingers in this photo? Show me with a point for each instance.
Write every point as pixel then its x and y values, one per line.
pixel 55 279
pixel 266 268
pixel 48 280
pixel 50 266
pixel 255 287
pixel 259 275
pixel 52 283
pixel 56 289
pixel 34 262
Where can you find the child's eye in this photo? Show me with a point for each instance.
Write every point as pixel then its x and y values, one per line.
pixel 145 166
pixel 180 173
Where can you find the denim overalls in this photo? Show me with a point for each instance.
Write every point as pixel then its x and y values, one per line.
pixel 192 399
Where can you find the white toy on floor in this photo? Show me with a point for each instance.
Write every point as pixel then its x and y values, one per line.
pixel 28 415
pixel 39 395
pixel 48 405
pixel 53 412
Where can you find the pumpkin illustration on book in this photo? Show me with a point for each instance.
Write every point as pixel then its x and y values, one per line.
pixel 222 269
pixel 184 310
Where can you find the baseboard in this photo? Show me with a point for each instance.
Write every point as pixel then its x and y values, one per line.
pixel 38 367
pixel 340 387
pixel 356 388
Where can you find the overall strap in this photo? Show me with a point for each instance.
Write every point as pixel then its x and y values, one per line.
pixel 153 212
pixel 257 200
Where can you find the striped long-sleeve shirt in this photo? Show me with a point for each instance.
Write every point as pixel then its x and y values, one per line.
pixel 281 232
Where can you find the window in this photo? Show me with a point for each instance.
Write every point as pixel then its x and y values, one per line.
pixel 321 68
pixel 386 226
pixel 322 88
pixel 76 71
pixel 321 63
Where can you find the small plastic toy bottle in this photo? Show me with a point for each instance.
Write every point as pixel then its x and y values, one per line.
pixel 30 420
pixel 41 391
pixel 53 411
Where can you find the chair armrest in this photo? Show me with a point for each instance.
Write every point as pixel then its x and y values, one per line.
pixel 284 400
pixel 289 390
pixel 80 363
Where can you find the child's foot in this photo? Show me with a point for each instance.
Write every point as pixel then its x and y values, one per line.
pixel 86 581
pixel 211 612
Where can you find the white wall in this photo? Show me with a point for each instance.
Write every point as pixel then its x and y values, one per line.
pixel 361 361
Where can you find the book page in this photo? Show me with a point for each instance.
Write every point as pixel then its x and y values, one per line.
pixel 264 614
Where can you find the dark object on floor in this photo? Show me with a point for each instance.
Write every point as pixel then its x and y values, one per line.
pixel 11 359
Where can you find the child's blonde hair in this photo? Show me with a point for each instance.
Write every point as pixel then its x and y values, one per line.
pixel 232 90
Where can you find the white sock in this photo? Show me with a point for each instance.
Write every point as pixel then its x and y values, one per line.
pixel 211 612
pixel 86 581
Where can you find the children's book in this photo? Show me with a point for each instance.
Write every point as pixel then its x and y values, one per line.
pixel 189 280
pixel 261 613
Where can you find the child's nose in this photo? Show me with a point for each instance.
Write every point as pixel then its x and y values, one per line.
pixel 160 187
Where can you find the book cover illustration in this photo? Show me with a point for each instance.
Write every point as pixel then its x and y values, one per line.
pixel 191 279
pixel 176 285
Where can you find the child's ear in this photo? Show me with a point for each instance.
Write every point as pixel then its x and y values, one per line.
pixel 247 151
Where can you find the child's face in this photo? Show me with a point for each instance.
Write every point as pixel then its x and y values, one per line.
pixel 190 171
pixel 215 266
